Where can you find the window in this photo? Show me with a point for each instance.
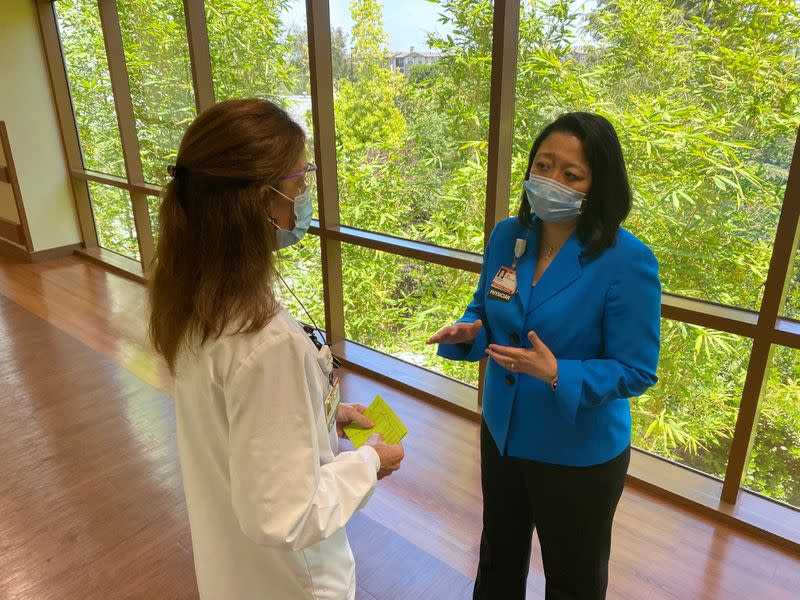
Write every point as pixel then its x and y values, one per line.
pixel 411 146
pixel 775 458
pixel 260 50
pixel 792 306
pixel 707 129
pixel 113 217
pixel 157 59
pixel 301 268
pixel 90 85
pixel 153 206
pixel 689 416
pixel 394 304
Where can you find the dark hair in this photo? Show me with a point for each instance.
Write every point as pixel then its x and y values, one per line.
pixel 214 264
pixel 609 199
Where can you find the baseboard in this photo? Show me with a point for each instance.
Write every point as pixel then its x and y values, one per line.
pixel 52 253
pixel 15 251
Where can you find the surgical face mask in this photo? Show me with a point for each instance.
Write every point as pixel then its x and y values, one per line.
pixel 303 209
pixel 552 201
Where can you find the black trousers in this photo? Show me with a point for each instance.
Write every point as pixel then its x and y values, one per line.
pixel 572 510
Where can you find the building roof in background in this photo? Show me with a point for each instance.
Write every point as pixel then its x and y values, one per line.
pixel 415 53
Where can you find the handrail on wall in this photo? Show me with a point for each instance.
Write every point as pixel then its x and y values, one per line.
pixel 18 232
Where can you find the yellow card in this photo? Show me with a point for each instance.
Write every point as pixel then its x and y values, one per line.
pixel 386 422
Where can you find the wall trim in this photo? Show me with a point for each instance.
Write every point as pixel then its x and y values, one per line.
pixel 53 253
pixel 12 250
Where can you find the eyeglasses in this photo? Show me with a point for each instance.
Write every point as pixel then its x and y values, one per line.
pixel 309 169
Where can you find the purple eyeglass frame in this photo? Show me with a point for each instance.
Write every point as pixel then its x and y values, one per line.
pixel 309 169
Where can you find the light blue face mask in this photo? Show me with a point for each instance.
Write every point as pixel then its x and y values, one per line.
pixel 303 209
pixel 552 201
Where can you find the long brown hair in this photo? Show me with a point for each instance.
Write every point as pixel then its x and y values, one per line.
pixel 214 265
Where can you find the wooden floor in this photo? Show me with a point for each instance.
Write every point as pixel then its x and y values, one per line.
pixel 91 503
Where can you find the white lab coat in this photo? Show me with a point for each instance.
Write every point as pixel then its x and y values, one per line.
pixel 266 492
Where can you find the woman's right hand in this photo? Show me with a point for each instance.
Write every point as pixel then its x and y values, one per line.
pixel 390 456
pixel 460 333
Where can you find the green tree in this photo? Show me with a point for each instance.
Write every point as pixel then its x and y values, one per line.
pixel 253 54
pixel 340 55
pixel 366 111
pixel 90 85
pixel 159 73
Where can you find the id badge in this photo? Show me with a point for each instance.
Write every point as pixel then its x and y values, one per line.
pixel 504 284
pixel 332 403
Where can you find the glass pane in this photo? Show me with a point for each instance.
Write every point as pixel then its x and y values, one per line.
pixel 260 50
pixel 775 458
pixel 113 220
pixel 792 307
pixel 90 85
pixel 153 206
pixel 689 416
pixel 301 267
pixel 704 96
pixel 157 57
pixel 393 304
pixel 411 102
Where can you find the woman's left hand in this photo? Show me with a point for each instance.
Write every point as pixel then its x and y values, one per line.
pixel 537 361
pixel 351 413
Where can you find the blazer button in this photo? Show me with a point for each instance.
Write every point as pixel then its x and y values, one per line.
pixel 514 338
pixel 510 379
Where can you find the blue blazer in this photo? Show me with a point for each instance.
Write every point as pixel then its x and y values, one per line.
pixel 601 318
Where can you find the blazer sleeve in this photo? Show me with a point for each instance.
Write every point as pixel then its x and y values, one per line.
pixel 476 350
pixel 281 495
pixel 631 341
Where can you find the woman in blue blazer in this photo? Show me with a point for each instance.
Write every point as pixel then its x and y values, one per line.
pixel 568 311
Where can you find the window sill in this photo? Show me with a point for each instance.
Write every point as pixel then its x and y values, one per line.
pixel 752 513
pixel 435 388
pixel 116 263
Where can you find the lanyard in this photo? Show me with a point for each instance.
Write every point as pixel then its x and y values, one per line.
pixel 311 331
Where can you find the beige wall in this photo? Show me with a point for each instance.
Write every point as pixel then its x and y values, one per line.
pixel 26 106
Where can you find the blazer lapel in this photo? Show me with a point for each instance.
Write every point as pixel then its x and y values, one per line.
pixel 526 266
pixel 565 268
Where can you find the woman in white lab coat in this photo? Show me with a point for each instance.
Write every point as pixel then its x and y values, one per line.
pixel 267 492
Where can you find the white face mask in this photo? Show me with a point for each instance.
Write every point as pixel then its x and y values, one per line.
pixel 552 201
pixel 303 210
